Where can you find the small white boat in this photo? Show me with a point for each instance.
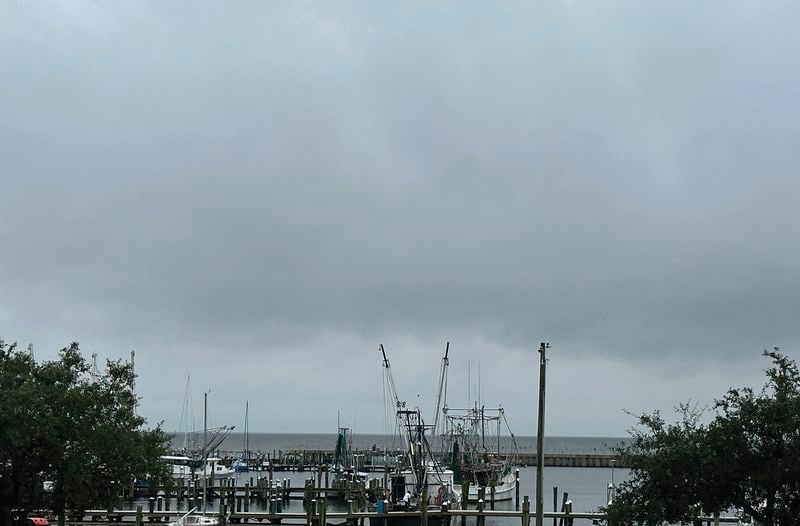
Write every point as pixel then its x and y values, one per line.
pixel 195 518
pixel 184 467
pixel 504 489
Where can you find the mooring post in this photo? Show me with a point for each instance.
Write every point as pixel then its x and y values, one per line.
pixel 446 513
pixel 311 507
pixel 491 497
pixel 564 500
pixel 516 490
pixel 385 512
pixel 555 503
pixel 423 506
pixel 350 520
pixel 326 478
pixel 526 511
pixel 321 520
pixel 138 515
pixel 464 501
pixel 568 521
pixel 481 516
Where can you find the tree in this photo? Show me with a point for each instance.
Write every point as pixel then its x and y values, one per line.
pixel 747 457
pixel 59 424
pixel 762 433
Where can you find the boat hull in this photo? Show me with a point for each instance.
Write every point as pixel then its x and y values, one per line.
pixel 503 491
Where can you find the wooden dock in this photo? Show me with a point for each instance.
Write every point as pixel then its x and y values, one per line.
pixel 320 516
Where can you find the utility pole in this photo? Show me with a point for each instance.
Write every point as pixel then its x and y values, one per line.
pixel 540 435
pixel 205 449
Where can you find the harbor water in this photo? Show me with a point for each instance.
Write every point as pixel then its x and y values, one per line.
pixel 586 487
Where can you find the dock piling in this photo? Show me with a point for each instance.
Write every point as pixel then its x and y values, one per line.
pixel 526 511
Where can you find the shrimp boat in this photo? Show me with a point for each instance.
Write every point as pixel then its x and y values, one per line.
pixel 471 440
pixel 186 467
pixel 420 473
pixel 348 478
pixel 193 456
pixel 476 457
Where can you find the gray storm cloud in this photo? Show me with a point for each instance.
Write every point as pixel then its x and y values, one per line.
pixel 305 181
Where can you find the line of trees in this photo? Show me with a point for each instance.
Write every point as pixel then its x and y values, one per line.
pixel 70 440
pixel 746 457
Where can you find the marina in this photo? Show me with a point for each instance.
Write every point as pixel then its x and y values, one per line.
pixel 468 459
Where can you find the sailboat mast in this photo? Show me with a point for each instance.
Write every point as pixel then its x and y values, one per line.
pixel 247 430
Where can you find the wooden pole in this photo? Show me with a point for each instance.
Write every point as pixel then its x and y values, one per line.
pixel 526 511
pixel 205 445
pixel 423 506
pixel 464 501
pixel 540 435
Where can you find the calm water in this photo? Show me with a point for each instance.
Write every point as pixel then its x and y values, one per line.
pixel 586 486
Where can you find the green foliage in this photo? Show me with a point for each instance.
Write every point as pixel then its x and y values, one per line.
pixel 747 457
pixel 59 424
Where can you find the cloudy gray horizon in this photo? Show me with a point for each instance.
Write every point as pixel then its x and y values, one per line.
pixel 259 194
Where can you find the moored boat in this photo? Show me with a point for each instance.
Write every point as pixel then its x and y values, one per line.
pixel 195 518
pixel 185 466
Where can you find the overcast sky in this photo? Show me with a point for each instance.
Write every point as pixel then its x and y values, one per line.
pixel 259 194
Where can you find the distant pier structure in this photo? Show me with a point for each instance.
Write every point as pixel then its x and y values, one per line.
pixel 300 459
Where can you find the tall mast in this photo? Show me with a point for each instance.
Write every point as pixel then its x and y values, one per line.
pixel 388 369
pixel 441 397
pixel 187 423
pixel 247 430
